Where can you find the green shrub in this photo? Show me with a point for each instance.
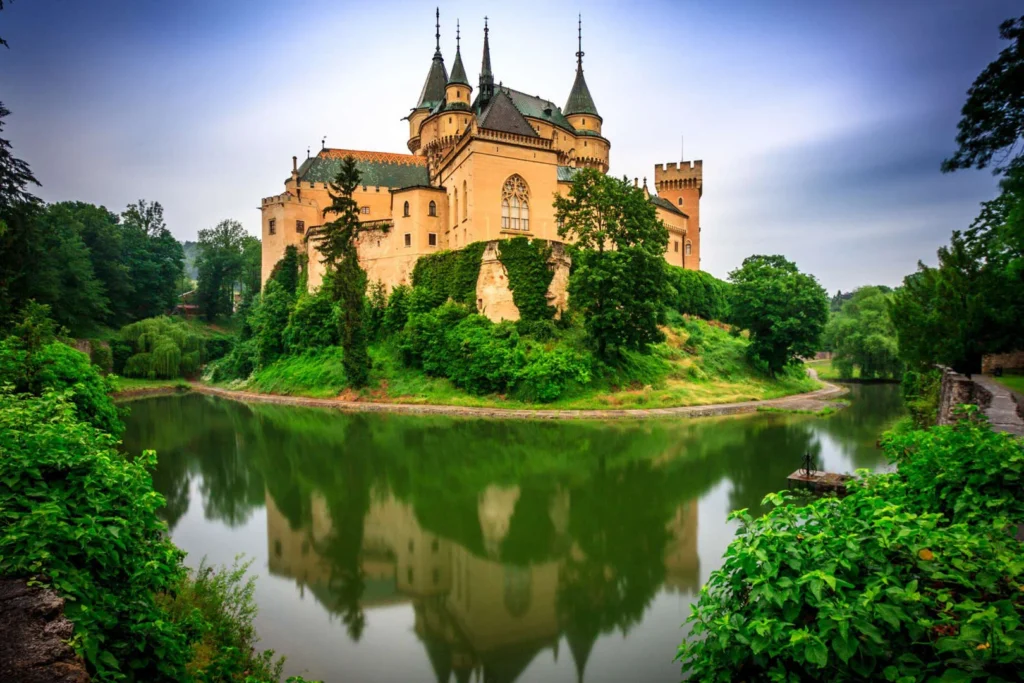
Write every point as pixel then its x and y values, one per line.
pixel 482 357
pixel 57 367
pixel 698 293
pixel 914 576
pixel 449 274
pixel 422 342
pixel 313 323
pixel 548 374
pixel 120 351
pixel 269 319
pixel 217 346
pixel 140 365
pixel 397 312
pixel 921 391
pixel 166 359
pixel 100 355
pixel 376 304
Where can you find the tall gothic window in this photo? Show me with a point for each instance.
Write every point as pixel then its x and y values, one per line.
pixel 455 214
pixel 688 247
pixel 405 209
pixel 432 209
pixel 515 204
pixel 465 200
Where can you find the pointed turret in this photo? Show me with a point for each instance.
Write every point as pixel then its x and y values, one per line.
pixel 486 76
pixel 437 77
pixel 458 75
pixel 580 102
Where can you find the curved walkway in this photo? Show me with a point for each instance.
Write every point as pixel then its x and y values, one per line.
pixel 813 401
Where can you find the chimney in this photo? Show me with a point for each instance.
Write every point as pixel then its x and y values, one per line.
pixel 636 182
pixel 295 169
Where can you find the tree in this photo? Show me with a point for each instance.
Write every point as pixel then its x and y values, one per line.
pixel 220 261
pixel 252 265
pixel 784 309
pixel 15 175
pixel 862 336
pixel 618 279
pixel 153 258
pixel 992 119
pixel 336 241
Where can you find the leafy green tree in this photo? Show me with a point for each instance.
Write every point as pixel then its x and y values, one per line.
pixel 252 264
pixel 220 263
pixel 15 174
pixel 618 279
pixel 153 258
pixel 992 120
pixel 862 336
pixel 337 243
pixel 784 309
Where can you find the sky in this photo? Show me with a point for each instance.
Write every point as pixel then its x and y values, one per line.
pixel 821 124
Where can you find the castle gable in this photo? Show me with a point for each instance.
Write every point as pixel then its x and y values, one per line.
pixel 539 108
pixel 502 115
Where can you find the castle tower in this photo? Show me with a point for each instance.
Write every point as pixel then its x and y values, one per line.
pixel 433 89
pixel 683 185
pixel 580 108
pixel 458 89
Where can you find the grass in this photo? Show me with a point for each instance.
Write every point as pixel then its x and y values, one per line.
pixel 127 385
pixel 1012 382
pixel 824 368
pixel 697 364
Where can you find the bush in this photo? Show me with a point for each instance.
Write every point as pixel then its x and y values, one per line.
pixel 921 392
pixel 397 312
pixel 698 293
pixel 313 323
pixel 423 343
pixel 83 519
pixel 57 367
pixel 120 351
pixel 547 375
pixel 914 576
pixel 376 305
pixel 269 319
pixel 482 357
pixel 100 355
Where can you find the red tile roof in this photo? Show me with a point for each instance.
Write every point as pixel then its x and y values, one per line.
pixel 375 157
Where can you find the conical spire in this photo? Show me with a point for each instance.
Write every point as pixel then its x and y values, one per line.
pixel 486 76
pixel 437 77
pixel 580 101
pixel 458 71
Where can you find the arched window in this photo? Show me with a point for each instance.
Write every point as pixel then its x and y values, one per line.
pixel 689 247
pixel 455 213
pixel 465 200
pixel 432 210
pixel 680 201
pixel 515 204
pixel 405 209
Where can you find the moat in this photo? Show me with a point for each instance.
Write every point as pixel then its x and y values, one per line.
pixel 402 548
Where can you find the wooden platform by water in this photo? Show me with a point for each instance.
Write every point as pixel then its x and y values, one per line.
pixel 820 482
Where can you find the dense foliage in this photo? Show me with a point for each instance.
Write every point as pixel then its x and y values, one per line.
pixel 529 276
pixel 696 292
pixel 449 274
pixel 165 347
pixel 914 576
pixel 862 336
pixel 972 302
pixel 784 309
pixel 221 265
pixel 618 279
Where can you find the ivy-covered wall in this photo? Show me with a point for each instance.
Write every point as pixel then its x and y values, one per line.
pixel 450 274
pixel 529 275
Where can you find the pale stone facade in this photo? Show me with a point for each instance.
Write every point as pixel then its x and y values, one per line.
pixel 482 169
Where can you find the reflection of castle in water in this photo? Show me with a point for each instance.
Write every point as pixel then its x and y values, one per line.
pixel 474 613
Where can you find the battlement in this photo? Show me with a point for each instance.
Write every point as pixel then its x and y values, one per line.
pixel 682 169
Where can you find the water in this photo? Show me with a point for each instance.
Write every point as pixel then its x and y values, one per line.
pixel 402 548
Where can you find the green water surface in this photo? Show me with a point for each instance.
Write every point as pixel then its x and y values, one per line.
pixel 409 548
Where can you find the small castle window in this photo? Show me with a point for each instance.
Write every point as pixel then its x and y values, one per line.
pixel 680 201
pixel 272 226
pixel 584 122
pixel 405 209
pixel 364 209
pixel 515 204
pixel 676 243
pixel 408 239
pixel 689 248
pixel 300 227
pixel 432 239
pixel 432 209
pixel 465 200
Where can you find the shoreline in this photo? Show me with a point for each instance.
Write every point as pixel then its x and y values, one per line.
pixel 813 401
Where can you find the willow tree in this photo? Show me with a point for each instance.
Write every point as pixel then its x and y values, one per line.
pixel 337 242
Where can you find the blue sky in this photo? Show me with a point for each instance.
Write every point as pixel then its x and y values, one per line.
pixel 821 124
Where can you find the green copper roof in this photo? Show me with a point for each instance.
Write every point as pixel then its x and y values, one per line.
pixel 375 168
pixel 665 204
pixel 458 71
pixel 580 101
pixel 566 173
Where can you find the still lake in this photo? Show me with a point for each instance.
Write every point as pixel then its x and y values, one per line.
pixel 411 548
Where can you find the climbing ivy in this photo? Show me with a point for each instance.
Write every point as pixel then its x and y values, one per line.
pixel 528 276
pixel 450 274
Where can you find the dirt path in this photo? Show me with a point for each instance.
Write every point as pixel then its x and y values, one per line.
pixel 812 401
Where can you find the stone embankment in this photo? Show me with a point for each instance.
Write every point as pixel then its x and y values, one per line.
pixel 1003 408
pixel 34 635
pixel 813 401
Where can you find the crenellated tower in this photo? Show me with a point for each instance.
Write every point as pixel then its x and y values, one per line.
pixel 683 184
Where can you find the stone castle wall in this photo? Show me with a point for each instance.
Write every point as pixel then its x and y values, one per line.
pixel 1013 360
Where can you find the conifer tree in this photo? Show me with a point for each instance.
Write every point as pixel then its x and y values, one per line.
pixel 336 241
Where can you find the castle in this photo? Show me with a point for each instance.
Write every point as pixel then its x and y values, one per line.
pixel 481 168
